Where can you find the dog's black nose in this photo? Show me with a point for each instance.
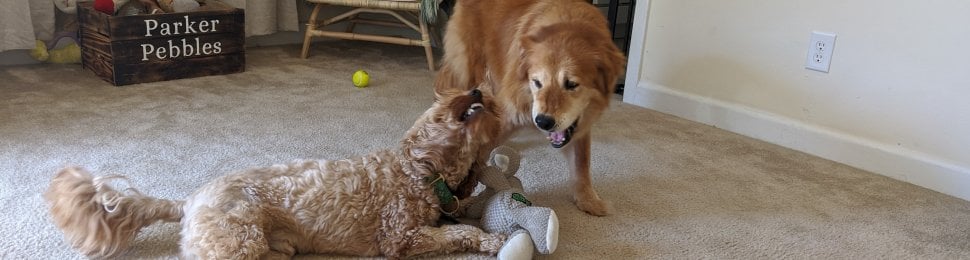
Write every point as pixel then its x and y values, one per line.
pixel 475 93
pixel 545 122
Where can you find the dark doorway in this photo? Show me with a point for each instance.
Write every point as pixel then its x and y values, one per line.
pixel 619 14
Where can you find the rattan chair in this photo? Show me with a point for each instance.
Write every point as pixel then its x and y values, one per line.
pixel 407 14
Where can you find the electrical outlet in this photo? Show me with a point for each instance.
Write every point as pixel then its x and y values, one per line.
pixel 820 51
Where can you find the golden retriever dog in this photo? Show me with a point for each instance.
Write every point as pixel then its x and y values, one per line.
pixel 383 203
pixel 550 63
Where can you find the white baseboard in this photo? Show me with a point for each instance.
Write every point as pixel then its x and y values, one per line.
pixel 885 159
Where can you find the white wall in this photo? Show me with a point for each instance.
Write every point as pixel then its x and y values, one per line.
pixel 896 100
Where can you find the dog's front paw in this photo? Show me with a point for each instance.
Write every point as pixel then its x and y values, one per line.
pixel 593 205
pixel 492 243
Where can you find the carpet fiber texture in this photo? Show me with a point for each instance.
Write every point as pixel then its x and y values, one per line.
pixel 680 189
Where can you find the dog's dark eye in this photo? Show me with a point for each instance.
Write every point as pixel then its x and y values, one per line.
pixel 571 85
pixel 535 82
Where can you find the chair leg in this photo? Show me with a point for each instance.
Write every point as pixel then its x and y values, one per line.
pixel 426 41
pixel 351 23
pixel 310 28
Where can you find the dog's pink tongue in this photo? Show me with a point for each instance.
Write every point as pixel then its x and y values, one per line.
pixel 557 136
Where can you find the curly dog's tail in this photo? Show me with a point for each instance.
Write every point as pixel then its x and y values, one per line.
pixel 98 220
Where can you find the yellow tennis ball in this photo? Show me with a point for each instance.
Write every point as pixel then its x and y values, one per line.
pixel 361 79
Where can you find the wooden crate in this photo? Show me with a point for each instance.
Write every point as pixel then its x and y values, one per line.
pixel 147 48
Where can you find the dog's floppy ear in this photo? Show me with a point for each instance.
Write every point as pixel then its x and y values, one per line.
pixel 522 70
pixel 444 81
pixel 437 94
pixel 610 65
pixel 445 93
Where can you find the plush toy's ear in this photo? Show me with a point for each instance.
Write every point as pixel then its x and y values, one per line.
pixel 501 161
pixel 507 159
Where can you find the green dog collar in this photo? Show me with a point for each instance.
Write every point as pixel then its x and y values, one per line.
pixel 441 189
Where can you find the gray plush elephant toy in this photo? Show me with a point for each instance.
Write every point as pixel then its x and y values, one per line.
pixel 503 208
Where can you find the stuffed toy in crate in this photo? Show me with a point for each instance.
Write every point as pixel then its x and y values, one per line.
pixel 150 6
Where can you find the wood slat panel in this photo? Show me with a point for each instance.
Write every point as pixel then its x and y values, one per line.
pixel 187 68
pixel 132 51
pixel 99 64
pixel 134 27
pixel 88 17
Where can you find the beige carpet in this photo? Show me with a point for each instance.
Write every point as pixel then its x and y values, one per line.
pixel 680 189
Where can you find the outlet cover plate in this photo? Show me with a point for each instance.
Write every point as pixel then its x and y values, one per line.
pixel 820 49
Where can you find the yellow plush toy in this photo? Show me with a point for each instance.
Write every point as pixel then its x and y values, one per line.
pixel 63 47
pixel 70 53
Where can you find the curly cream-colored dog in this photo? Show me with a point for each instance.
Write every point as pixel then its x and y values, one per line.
pixel 384 203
